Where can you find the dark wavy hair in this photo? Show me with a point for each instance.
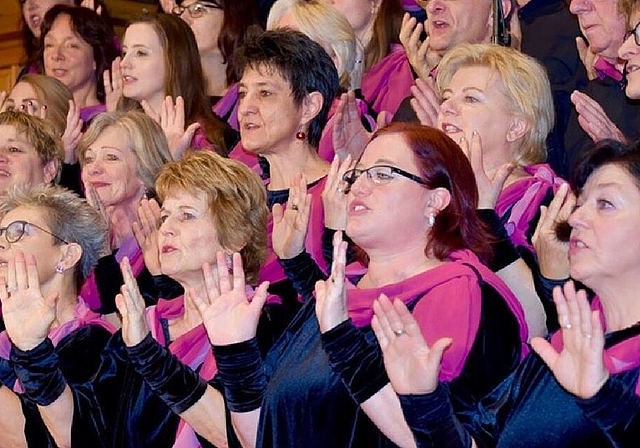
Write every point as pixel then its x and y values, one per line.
pixel 442 164
pixel 90 27
pixel 606 152
pixel 299 60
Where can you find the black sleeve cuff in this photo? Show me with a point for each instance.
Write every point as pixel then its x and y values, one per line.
pixel 39 373
pixel 358 362
pixel 432 420
pixel 241 373
pixel 504 251
pixel 175 383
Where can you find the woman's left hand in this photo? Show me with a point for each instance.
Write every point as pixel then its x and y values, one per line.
pixel 579 367
pixel 72 134
pixel 331 294
pixel 171 117
pixel 489 187
pixel 28 315
pixel 145 231
pixel 131 306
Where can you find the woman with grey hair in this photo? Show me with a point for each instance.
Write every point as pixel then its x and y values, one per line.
pixel 45 254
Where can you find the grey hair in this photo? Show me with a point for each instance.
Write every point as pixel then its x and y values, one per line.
pixel 68 216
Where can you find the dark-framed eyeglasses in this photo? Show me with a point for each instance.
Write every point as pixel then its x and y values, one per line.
pixel 196 9
pixel 15 230
pixel 635 32
pixel 379 175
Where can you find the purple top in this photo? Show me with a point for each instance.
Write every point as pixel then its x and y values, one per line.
pixel 89 113
pixel 388 83
pixel 227 107
pixel 449 305
pixel 522 200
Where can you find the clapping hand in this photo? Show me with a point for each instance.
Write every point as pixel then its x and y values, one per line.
pixel 28 315
pixel 145 231
pixel 419 53
pixel 113 84
pixel 72 133
pixel 331 294
pixel 131 306
pixel 489 186
pixel 412 366
pixel 594 120
pixel 425 101
pixel 290 225
pixel 171 117
pixel 227 313
pixel 579 366
pixel 334 198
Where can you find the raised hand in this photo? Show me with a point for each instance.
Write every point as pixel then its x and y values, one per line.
pixel 131 306
pixel 229 316
pixel 489 185
pixel 145 231
pixel 349 134
pixel 167 5
pixel 113 85
pixel 419 54
pixel 331 294
pixel 425 102
pixel 72 133
pixel 553 254
pixel 91 4
pixel 290 225
pixel 594 120
pixel 579 366
pixel 28 315
pixel 172 120
pixel 3 99
pixel 412 366
pixel 334 198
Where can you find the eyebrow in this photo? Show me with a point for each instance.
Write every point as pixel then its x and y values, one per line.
pixel 466 89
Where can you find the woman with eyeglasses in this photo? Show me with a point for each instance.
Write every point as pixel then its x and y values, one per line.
pixel 580 388
pixel 411 209
pixel 160 72
pixel 44 257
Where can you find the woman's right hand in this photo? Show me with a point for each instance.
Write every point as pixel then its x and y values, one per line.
pixel 227 313
pixel 72 134
pixel 290 225
pixel 412 366
pixel 28 315
pixel 145 231
pixel 131 306
pixel 553 254
pixel 113 84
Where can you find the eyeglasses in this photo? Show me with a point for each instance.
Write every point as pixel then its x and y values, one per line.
pixel 635 32
pixel 197 9
pixel 14 231
pixel 379 175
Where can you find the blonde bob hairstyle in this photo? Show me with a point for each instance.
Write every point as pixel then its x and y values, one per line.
pixel 145 139
pixel 524 84
pixel 52 93
pixel 237 202
pixel 40 134
pixel 324 24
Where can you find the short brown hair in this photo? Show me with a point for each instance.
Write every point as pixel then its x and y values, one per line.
pixel 237 202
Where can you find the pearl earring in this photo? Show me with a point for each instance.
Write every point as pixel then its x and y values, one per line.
pixel 431 220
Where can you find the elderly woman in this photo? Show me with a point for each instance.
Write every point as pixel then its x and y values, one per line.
pixel 496 103
pixel 587 369
pixel 45 257
pixel 160 72
pixel 420 254
pixel 211 207
pixel 121 155
pixel 287 87
pixel 77 47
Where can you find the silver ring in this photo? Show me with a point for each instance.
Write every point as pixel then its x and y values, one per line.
pixel 294 207
pixel 340 190
pixel 567 326
pixel 588 336
pixel 11 289
pixel 399 332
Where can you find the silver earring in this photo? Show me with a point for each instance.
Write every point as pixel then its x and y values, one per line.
pixel 431 220
pixel 59 269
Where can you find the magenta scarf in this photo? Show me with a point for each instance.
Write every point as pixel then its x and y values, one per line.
pixel 449 304
pixel 227 106
pixel 523 199
pixel 389 81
